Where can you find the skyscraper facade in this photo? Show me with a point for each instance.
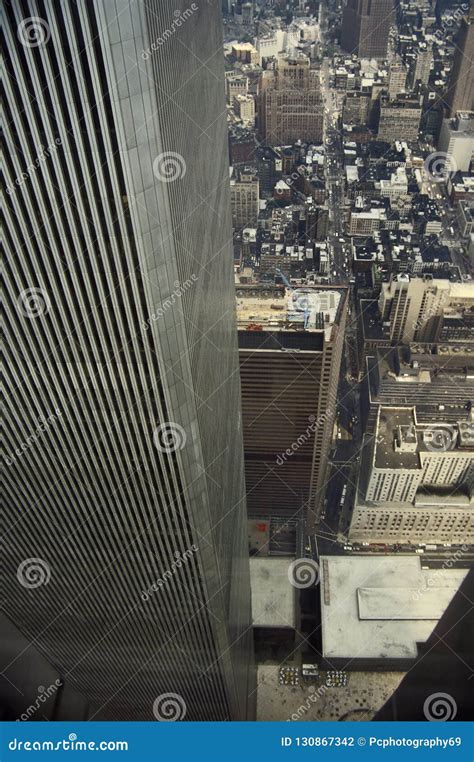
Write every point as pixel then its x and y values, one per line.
pixel 460 95
pixel 290 357
pixel 366 26
pixel 125 548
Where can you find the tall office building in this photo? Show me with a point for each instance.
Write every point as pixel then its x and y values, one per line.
pixel 460 94
pixel 290 105
pixel 397 78
pixel 366 26
pixel 401 116
pixel 422 62
pixel 126 549
pixel 244 198
pixel 415 309
pixel 456 140
pixel 416 481
pixel 290 355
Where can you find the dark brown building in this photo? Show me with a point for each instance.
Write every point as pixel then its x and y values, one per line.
pixel 366 26
pixel 460 95
pixel 290 352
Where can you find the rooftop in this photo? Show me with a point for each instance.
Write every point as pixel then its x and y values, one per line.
pixel 381 607
pixel 273 596
pixel 400 438
pixel 305 308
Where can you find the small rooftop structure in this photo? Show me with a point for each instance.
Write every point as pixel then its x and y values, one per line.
pixel 401 439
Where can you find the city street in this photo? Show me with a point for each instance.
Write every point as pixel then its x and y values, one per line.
pixel 334 172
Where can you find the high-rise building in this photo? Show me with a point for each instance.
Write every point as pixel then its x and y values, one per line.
pixel 416 481
pixel 422 63
pixel 460 94
pixel 290 105
pixel 236 85
pixel 244 107
pixel 435 379
pixel 356 108
pixel 126 548
pixel 244 198
pixel 399 117
pixel 366 26
pixel 415 309
pixel 290 354
pixel 397 78
pixel 456 140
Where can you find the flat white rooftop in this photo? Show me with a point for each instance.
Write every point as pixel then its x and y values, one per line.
pixel 273 596
pixel 380 608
